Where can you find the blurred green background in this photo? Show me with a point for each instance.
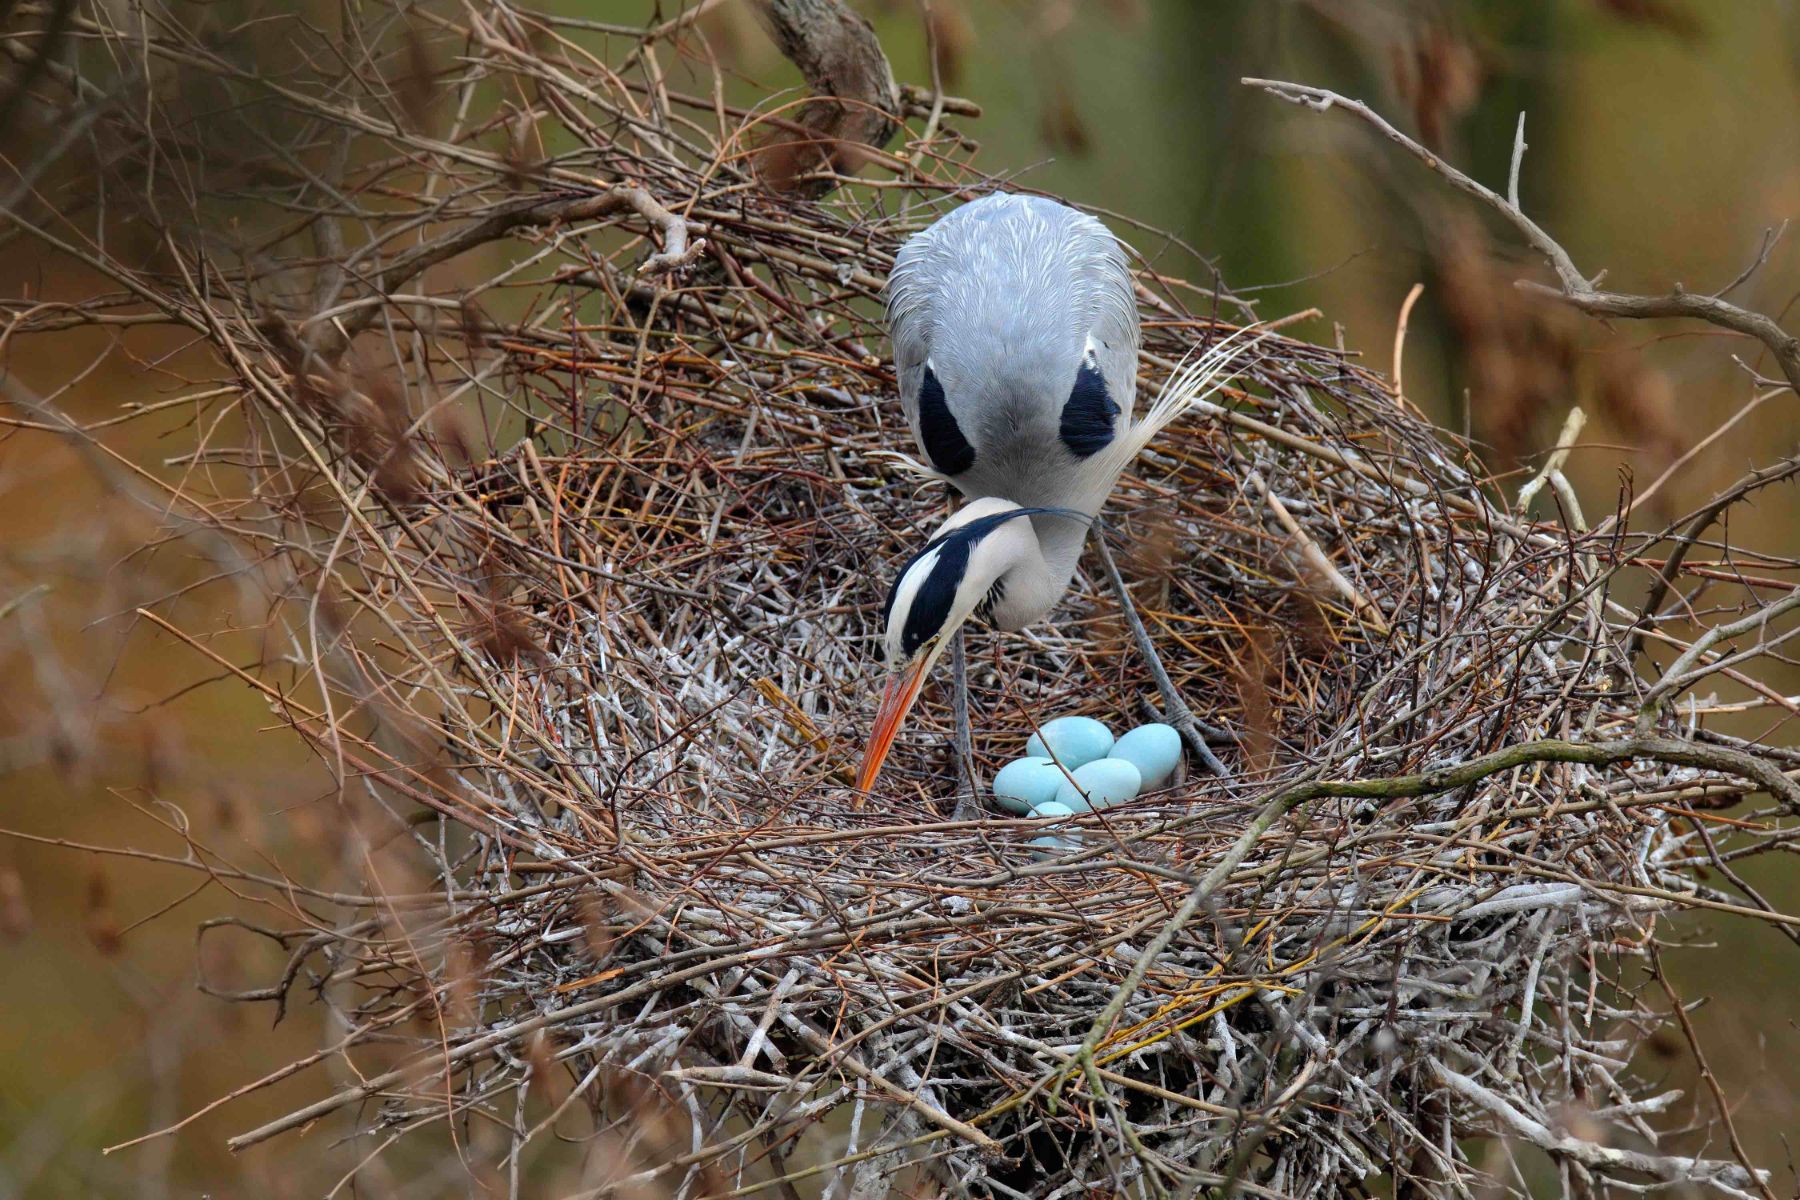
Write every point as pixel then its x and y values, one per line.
pixel 1664 142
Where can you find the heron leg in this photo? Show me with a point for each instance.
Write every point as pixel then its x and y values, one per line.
pixel 1179 714
pixel 968 805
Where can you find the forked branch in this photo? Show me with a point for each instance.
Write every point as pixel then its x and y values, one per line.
pixel 1574 288
pixel 677 251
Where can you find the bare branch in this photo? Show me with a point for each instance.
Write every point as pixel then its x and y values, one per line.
pixel 1770 237
pixel 677 252
pixel 1574 288
pixel 1559 454
pixel 857 104
pixel 1518 161
pixel 1684 672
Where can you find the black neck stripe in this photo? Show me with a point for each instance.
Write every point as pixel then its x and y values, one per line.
pixel 937 592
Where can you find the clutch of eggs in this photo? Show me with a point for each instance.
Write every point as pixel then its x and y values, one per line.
pixel 1075 762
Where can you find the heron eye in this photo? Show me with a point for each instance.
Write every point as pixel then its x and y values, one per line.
pixel 945 445
pixel 1087 418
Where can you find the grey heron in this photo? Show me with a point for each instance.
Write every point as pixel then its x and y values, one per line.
pixel 1015 332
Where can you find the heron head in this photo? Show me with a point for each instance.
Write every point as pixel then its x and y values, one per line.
pixel 960 572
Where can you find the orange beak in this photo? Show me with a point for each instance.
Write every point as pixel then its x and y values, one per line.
pixel 896 702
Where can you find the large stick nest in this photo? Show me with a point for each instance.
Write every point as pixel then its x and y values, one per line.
pixel 580 529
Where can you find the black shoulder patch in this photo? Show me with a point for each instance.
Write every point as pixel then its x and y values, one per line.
pixel 945 445
pixel 1087 419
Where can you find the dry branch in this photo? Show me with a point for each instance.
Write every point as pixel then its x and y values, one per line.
pixel 857 103
pixel 1573 287
pixel 677 252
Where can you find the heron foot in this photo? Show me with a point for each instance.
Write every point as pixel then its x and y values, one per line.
pixel 1176 711
pixel 1188 726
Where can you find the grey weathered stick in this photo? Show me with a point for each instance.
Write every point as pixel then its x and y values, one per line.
pixel 1428 783
pixel 1518 161
pixel 1670 1169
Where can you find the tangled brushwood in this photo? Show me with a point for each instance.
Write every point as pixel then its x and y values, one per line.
pixel 548 428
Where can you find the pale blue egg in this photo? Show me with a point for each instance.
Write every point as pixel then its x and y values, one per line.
pixel 1100 784
pixel 1050 845
pixel 1024 783
pixel 1154 750
pixel 1076 740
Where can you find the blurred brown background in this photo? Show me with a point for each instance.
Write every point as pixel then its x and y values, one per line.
pixel 1663 145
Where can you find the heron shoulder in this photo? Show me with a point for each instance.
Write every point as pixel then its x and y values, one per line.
pixel 1003 258
pixel 1015 335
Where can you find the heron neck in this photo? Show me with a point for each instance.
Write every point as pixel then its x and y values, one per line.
pixel 1061 539
pixel 1034 584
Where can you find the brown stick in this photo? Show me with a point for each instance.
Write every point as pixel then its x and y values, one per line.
pixel 676 252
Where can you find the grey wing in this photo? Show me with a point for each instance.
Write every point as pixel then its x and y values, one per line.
pixel 930 269
pixel 1108 304
pixel 908 320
